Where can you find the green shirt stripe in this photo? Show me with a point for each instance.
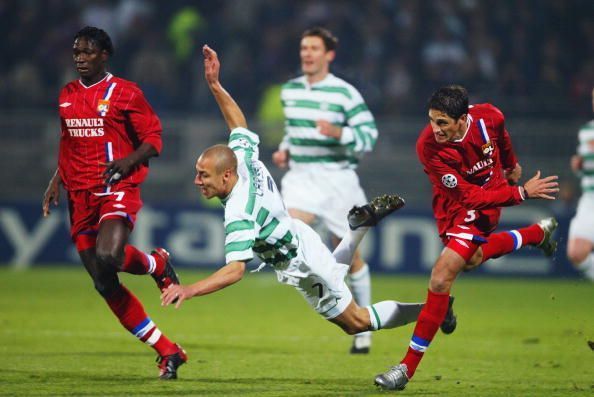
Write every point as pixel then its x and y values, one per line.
pixel 268 229
pixel 356 110
pixel 239 246
pixel 236 136
pixel 300 123
pixel 262 215
pixel 324 159
pixel 239 225
pixel 314 142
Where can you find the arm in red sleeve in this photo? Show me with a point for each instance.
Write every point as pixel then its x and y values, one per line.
pixel 144 120
pixel 470 196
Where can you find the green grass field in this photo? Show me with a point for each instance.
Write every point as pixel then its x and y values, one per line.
pixel 259 338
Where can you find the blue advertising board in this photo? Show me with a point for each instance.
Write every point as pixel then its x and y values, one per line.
pixel 406 242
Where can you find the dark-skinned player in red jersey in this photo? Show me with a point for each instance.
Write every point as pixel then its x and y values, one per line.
pixel 109 132
pixel 467 154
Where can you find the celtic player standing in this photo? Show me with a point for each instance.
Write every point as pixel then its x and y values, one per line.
pixel 581 229
pixel 328 129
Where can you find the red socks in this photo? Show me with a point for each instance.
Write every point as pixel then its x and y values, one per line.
pixel 430 318
pixel 132 316
pixel 137 262
pixel 499 244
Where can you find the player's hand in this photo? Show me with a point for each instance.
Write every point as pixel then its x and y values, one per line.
pixel 212 65
pixel 281 158
pixel 514 175
pixel 52 194
pixel 328 129
pixel 117 169
pixel 577 162
pixel 541 188
pixel 173 292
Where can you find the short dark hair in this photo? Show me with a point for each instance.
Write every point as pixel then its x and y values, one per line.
pixel 330 41
pixel 451 99
pixel 97 36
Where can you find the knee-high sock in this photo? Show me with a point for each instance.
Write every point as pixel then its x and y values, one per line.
pixel 430 318
pixel 132 316
pixel 345 250
pixel 587 267
pixel 392 314
pixel 499 244
pixel 360 285
pixel 138 262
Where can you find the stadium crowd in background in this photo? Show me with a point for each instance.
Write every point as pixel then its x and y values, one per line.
pixel 526 55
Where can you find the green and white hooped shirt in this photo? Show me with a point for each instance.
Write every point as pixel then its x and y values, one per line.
pixel 256 220
pixel 586 150
pixel 336 101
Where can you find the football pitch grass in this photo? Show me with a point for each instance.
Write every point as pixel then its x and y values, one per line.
pixel 515 337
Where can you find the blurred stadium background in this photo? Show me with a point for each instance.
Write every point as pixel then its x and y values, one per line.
pixel 532 58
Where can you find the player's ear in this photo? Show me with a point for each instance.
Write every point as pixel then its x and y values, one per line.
pixel 330 55
pixel 104 56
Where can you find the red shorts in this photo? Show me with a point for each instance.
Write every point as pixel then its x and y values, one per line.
pixel 89 208
pixel 466 233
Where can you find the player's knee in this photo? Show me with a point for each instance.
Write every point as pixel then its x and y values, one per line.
pixel 107 259
pixel 358 323
pixel 577 256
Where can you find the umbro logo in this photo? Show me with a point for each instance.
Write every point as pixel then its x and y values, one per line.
pixel 65 104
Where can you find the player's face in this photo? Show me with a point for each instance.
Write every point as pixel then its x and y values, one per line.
pixel 211 183
pixel 445 128
pixel 315 60
pixel 88 59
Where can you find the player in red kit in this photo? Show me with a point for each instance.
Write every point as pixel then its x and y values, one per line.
pixel 109 131
pixel 467 154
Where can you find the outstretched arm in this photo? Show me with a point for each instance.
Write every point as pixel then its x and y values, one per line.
pixel 231 111
pixel 222 278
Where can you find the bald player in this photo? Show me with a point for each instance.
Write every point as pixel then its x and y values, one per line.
pixel 258 224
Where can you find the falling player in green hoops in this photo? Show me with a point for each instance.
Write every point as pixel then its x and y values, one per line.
pixel 258 224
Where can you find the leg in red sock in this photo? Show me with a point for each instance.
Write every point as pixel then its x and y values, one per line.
pixel 503 243
pixel 132 316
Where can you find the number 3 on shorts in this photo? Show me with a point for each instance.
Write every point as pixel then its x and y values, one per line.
pixel 471 216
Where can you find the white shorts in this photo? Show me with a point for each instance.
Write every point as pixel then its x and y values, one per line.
pixel 315 273
pixel 327 194
pixel 582 224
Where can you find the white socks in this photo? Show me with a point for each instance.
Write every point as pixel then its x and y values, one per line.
pixel 348 245
pixel 392 314
pixel 587 267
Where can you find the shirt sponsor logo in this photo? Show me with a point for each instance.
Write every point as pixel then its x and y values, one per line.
pixel 449 181
pixel 85 128
pixel 482 164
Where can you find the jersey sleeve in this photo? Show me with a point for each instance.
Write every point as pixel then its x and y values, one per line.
pixel 245 144
pixel 451 184
pixel 360 127
pixel 240 236
pixel 507 154
pixel 144 120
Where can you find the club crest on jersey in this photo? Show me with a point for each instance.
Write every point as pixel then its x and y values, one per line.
pixel 449 181
pixel 102 107
pixel 488 149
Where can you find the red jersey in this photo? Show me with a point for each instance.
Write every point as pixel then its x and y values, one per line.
pixel 467 175
pixel 100 123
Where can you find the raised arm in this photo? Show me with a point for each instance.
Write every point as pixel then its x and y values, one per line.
pixel 231 111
